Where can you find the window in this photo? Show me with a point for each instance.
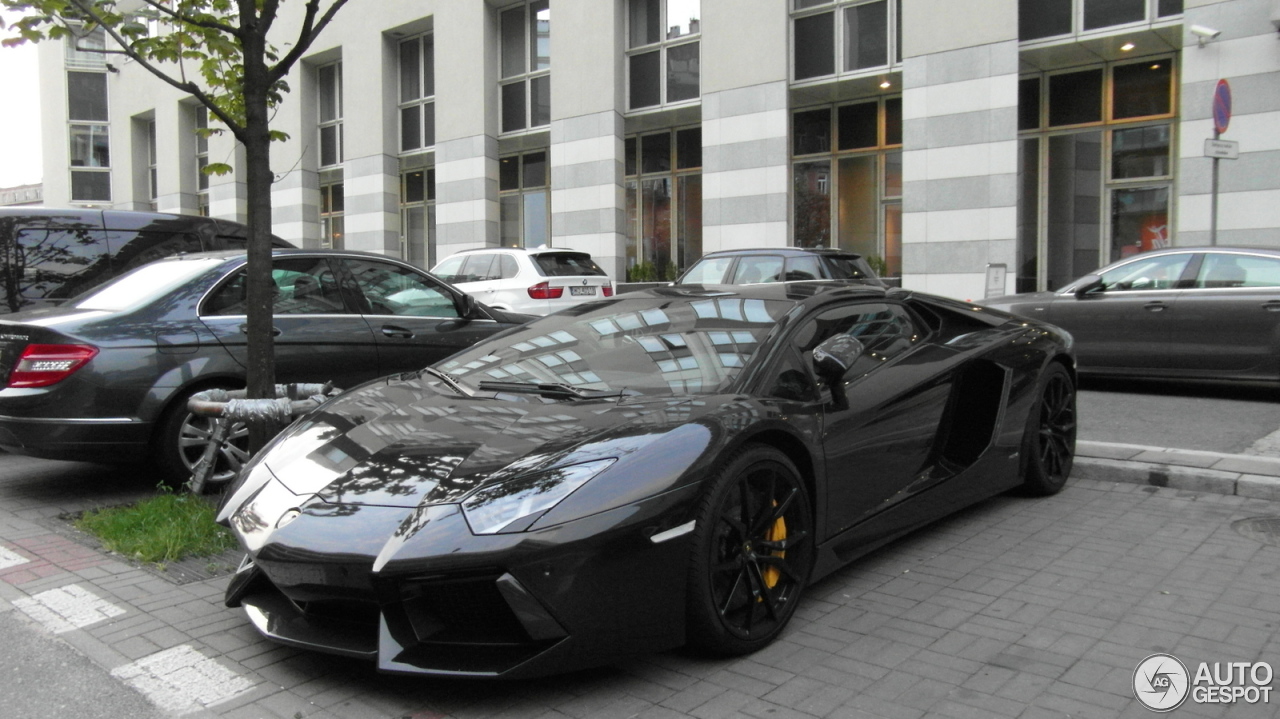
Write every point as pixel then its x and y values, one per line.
pixel 1225 270
pixel 1153 273
pixel 304 286
pixel 86 50
pixel 849 37
pixel 90 146
pixel 847 180
pixel 885 330
pixel 332 205
pixel 664 202
pixel 526 66
pixel 524 200
pixel 663 52
pixel 330 92
pixel 417 94
pixel 1095 168
pixel 394 290
pixel 202 149
pixel 153 191
pixel 1040 19
pixel 418 216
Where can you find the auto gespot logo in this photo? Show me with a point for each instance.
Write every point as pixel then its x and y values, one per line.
pixel 1162 683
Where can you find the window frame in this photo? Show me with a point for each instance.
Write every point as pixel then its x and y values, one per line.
pixel 335 123
pixel 424 101
pixel 521 191
pixel 428 207
pixel 1108 184
pixel 1151 17
pixel 333 215
pixel 882 151
pixel 663 47
pixel 633 185
pixel 530 74
pixel 95 129
pixel 837 8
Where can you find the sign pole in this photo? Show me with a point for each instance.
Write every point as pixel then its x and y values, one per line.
pixel 1213 204
pixel 1221 119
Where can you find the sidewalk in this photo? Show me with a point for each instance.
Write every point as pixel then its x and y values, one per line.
pixel 1015 608
pixel 1240 475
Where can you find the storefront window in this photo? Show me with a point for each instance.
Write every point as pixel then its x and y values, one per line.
pixel 524 202
pixel 1087 196
pixel 418 215
pixel 664 203
pixel 847 180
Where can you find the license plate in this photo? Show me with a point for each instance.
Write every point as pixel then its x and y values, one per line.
pixel 582 290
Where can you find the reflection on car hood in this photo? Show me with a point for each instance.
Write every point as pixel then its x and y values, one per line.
pixel 402 443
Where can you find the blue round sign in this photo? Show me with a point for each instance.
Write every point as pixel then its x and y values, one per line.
pixel 1221 107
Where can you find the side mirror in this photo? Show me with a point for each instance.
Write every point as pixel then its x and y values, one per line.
pixel 833 358
pixel 469 308
pixel 1088 284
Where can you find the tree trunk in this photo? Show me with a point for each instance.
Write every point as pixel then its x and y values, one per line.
pixel 257 143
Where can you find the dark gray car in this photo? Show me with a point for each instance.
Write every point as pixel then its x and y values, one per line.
pixel 106 376
pixel 48 255
pixel 1184 312
pixel 779 264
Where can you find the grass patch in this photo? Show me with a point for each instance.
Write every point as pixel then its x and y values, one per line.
pixel 165 528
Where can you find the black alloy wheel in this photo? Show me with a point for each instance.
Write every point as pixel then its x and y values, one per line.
pixel 752 553
pixel 1049 443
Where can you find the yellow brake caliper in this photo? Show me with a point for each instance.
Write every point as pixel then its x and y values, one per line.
pixel 776 533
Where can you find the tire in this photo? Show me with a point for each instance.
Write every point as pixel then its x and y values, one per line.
pixel 181 438
pixel 1049 440
pixel 741 598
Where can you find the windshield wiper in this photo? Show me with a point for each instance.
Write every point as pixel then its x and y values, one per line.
pixel 555 390
pixel 448 379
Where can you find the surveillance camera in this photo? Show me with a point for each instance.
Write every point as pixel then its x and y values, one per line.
pixel 1207 33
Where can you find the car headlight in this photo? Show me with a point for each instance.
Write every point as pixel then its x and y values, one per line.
pixel 514 505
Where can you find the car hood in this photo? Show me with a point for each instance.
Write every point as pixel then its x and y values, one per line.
pixel 404 443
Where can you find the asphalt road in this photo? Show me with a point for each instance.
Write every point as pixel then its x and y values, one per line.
pixel 1208 417
pixel 43 677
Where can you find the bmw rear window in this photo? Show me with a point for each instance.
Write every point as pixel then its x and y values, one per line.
pixel 851 268
pixel 144 284
pixel 566 264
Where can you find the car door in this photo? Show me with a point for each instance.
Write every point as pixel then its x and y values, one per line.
pixel 1124 324
pixel 1228 321
pixel 415 319
pixel 480 273
pixel 877 437
pixel 318 335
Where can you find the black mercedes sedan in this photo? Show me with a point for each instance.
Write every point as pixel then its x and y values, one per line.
pixel 671 466
pixel 106 376
pixel 1176 313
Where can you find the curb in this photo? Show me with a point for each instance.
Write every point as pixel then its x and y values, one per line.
pixel 1230 474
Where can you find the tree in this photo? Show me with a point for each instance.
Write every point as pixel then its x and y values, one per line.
pixel 219 52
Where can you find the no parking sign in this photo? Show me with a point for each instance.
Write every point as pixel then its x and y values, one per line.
pixel 1221 107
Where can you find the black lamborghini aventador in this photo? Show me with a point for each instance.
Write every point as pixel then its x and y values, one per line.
pixel 667 467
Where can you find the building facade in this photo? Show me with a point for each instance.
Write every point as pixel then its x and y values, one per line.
pixel 936 137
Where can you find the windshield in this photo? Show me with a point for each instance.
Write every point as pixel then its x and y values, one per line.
pixel 653 345
pixel 144 284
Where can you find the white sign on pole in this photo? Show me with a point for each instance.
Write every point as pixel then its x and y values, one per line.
pixel 1222 149
pixel 995 279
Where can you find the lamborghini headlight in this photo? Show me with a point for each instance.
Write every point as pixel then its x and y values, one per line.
pixel 514 505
